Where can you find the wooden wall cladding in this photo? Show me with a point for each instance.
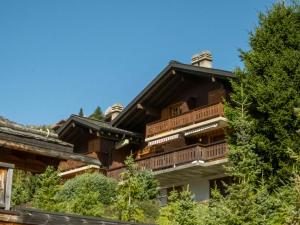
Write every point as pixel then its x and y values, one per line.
pixel 216 96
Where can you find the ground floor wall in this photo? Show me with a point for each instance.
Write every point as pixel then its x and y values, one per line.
pixel 199 186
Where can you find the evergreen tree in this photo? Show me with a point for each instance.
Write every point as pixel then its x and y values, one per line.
pixel 24 187
pixel 181 210
pixel 271 80
pixel 136 189
pixel 48 185
pixel 263 138
pixel 81 112
pixel 97 114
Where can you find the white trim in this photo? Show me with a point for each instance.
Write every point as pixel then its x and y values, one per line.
pixel 162 140
pixel 78 170
pixel 200 129
pixel 221 120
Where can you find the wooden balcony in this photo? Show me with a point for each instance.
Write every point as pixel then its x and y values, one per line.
pixel 178 157
pixel 188 118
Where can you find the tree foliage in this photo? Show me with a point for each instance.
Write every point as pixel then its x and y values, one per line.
pixel 24 187
pixel 272 88
pixel 181 210
pixel 48 185
pixel 135 188
pixel 86 194
pixel 81 113
pixel 97 114
pixel 263 135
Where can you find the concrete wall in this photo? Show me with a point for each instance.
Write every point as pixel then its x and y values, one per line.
pixel 198 186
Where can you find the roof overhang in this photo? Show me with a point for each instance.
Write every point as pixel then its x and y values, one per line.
pixel 97 128
pixel 30 145
pixel 170 76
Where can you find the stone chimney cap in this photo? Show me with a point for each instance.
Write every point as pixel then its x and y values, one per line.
pixel 202 59
pixel 117 107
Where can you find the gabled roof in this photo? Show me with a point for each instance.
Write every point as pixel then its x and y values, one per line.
pixel 163 78
pixel 93 124
pixel 17 137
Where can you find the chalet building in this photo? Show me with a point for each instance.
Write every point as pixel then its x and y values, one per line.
pixel 33 150
pixel 174 127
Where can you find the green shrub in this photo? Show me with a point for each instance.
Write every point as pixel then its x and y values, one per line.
pixel 48 185
pixel 24 187
pixel 88 183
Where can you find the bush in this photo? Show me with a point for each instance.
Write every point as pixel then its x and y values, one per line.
pixel 48 185
pixel 24 187
pixel 88 183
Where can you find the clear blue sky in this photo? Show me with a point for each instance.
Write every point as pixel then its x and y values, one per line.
pixel 59 55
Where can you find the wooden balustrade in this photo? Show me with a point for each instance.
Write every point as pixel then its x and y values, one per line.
pixel 191 117
pixel 178 157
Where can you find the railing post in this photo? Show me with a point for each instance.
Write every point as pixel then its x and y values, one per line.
pixel 6 175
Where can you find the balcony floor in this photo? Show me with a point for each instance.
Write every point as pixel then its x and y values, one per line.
pixel 194 170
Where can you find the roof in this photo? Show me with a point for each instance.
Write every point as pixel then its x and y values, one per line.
pixel 93 124
pixel 10 127
pixel 18 137
pixel 37 217
pixel 173 66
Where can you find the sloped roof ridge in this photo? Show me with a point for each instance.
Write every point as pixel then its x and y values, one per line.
pixel 10 127
pixel 4 122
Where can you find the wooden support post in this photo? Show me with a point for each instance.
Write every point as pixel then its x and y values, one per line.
pixel 6 175
pixel 8 188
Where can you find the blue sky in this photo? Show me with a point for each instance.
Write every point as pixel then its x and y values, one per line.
pixel 59 55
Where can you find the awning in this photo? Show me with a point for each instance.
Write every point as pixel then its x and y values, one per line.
pixel 165 139
pixel 200 129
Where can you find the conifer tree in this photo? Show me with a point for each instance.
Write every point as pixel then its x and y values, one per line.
pixel 97 114
pixel 135 188
pixel 81 112
pixel 271 81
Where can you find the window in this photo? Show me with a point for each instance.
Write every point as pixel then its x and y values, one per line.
pixel 175 110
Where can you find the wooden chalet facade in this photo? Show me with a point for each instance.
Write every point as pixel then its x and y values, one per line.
pixel 174 127
pixel 33 150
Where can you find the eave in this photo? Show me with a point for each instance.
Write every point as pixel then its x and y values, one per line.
pixel 97 128
pixel 167 75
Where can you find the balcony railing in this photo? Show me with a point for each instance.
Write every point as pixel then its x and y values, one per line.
pixel 188 118
pixel 177 157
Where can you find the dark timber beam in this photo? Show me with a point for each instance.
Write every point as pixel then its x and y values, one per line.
pixel 148 110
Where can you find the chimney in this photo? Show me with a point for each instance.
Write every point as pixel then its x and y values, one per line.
pixel 113 111
pixel 202 59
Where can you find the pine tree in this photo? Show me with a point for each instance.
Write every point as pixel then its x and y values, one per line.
pixel 181 210
pixel 263 136
pixel 136 190
pixel 97 114
pixel 272 88
pixel 48 185
pixel 81 112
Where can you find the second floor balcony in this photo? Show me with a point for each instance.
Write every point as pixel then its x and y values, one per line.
pixel 178 157
pixel 194 116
